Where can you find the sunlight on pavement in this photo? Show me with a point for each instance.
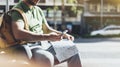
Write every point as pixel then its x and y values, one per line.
pixel 100 62
pixel 100 54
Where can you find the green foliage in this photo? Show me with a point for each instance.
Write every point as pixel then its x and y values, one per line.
pixel 72 1
pixel 74 9
pixel 56 8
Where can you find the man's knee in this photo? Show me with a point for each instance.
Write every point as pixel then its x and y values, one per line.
pixel 43 58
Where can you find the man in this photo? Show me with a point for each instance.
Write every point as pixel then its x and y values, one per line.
pixel 38 31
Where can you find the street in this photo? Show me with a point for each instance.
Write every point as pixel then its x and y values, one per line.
pixel 98 52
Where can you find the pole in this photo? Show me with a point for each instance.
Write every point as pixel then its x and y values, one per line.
pixel 101 19
pixel 55 23
pixel 7 5
pixel 63 16
pixel 63 9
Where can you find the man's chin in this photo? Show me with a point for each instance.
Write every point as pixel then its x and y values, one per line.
pixel 31 3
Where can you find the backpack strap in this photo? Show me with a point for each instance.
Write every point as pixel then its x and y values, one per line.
pixel 24 17
pixel 1 20
pixel 25 21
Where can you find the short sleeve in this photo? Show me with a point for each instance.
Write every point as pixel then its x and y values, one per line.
pixel 43 16
pixel 16 16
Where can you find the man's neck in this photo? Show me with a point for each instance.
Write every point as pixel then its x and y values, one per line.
pixel 30 6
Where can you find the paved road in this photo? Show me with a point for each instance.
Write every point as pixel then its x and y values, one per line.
pixel 98 52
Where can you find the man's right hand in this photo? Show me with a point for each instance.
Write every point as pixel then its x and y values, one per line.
pixel 54 37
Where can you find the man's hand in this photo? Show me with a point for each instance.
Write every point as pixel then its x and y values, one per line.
pixel 67 36
pixel 54 37
pixel 57 37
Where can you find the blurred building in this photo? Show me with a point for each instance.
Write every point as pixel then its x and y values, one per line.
pixel 72 12
pixel 100 13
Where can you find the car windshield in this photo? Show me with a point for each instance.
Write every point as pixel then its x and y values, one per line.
pixel 112 27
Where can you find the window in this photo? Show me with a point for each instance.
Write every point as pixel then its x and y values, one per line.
pixel 2 9
pixel 105 8
pixel 2 2
pixel 51 13
pixel 58 1
pixel 113 8
pixel 58 13
pixel 118 8
pixel 45 13
pixel 93 8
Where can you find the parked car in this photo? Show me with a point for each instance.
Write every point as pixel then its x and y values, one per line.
pixel 108 30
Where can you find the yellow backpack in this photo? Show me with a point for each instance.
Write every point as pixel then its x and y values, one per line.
pixel 6 36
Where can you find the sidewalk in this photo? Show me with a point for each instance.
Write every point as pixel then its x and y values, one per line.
pixel 98 53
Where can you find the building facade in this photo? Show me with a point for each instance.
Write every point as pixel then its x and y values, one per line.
pixel 100 13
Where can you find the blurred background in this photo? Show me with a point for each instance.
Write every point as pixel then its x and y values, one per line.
pixel 79 17
pixel 60 14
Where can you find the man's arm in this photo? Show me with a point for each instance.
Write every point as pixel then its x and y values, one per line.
pixel 50 30
pixel 21 34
